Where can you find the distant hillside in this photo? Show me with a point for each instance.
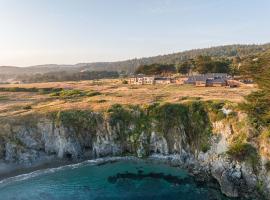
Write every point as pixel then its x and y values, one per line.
pixel 131 65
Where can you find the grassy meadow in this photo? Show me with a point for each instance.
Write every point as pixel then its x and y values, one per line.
pixel 20 99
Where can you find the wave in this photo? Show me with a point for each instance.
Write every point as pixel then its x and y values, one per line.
pixel 40 172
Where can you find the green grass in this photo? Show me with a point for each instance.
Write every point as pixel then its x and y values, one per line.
pixel 66 94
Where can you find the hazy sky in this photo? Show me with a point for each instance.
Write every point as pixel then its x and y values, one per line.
pixel 71 31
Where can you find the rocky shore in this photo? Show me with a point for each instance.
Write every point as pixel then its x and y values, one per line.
pixel 36 142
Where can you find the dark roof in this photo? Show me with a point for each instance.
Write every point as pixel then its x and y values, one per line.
pixel 162 78
pixel 205 77
pixel 217 80
pixel 140 76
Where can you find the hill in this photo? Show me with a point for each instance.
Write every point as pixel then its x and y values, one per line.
pixel 130 66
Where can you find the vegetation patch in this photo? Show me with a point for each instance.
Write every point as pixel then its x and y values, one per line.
pixel 131 120
pixel 49 90
pixel 199 128
pixel 190 119
pixel 18 89
pixel 78 120
pixel 27 107
pixel 257 106
pixel 93 93
pixel 242 151
pixel 167 119
pixel 66 94
pixel 215 110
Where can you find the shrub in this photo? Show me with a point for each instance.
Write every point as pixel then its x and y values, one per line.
pixel 124 82
pixel 101 101
pixel 214 107
pixel 244 152
pixel 91 94
pixel 27 107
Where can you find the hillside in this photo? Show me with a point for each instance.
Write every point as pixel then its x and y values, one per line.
pixel 131 65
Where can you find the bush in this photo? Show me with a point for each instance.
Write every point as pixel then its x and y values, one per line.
pixel 28 107
pixel 124 82
pixel 244 152
pixel 91 94
pixel 101 101
pixel 214 107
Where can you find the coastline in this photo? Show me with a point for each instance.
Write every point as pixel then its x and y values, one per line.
pixel 9 170
pixel 12 171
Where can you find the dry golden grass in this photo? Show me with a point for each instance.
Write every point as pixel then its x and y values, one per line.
pixel 112 92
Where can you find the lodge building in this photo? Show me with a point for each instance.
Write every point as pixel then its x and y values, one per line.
pixel 200 80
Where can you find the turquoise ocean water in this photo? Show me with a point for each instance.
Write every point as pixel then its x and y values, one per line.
pixel 113 180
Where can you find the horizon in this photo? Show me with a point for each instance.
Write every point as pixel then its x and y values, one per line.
pixel 49 32
pixel 44 64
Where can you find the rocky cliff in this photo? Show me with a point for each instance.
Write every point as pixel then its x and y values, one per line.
pixel 206 138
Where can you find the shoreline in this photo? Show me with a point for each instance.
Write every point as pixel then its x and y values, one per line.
pixel 53 165
pixel 17 169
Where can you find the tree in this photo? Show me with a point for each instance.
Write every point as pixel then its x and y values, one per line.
pixel 221 66
pixel 258 107
pixel 203 64
pixel 156 69
pixel 235 66
pixel 206 64
pixel 185 67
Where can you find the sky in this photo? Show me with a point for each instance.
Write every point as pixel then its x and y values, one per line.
pixel 34 32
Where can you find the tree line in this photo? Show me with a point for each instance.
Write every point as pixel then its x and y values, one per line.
pixel 201 64
pixel 67 76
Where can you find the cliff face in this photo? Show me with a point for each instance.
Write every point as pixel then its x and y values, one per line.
pixel 184 134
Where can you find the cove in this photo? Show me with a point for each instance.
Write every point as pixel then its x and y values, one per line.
pixel 114 179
